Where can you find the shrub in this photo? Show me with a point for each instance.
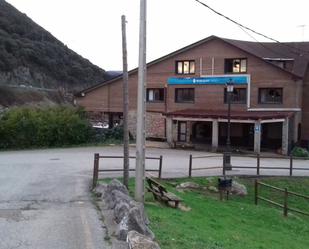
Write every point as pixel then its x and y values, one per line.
pixel 43 127
pixel 101 135
pixel 300 152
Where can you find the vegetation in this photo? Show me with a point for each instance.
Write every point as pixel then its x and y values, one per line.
pixel 23 43
pixel 233 224
pixel 300 152
pixel 50 127
pixel 10 96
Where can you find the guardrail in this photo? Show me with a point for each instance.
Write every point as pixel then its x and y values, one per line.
pixel 286 195
pixel 97 170
pixel 258 167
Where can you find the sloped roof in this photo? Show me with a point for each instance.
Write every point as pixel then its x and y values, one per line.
pixel 298 51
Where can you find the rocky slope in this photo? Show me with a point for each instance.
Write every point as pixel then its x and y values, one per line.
pixel 30 57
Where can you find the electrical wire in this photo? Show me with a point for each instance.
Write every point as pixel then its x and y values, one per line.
pixel 292 49
pixel 261 44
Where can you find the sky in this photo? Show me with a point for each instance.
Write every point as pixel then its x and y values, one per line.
pixel 92 28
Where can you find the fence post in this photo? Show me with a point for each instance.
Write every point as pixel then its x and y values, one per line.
pixel 160 166
pixel 223 165
pixel 95 170
pixel 285 205
pixel 258 164
pixel 190 166
pixel 256 191
pixel 291 164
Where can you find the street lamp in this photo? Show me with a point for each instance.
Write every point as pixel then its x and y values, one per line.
pixel 227 154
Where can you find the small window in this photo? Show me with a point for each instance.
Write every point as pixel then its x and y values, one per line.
pixel 235 65
pixel 184 95
pixel 239 96
pixel 185 67
pixel 155 95
pixel 270 95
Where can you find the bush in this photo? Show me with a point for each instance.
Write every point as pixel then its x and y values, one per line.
pixel 101 135
pixel 43 127
pixel 300 152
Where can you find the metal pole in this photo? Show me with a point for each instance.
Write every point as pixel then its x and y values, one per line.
pixel 140 128
pixel 125 105
pixel 228 140
pixel 227 153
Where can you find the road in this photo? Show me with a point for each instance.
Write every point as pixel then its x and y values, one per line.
pixel 45 200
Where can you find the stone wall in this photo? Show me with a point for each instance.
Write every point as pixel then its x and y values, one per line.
pixel 125 219
pixel 155 124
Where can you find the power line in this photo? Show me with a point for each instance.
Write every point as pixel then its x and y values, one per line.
pixel 253 31
pixel 261 44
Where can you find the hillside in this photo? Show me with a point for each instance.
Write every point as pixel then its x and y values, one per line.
pixel 31 57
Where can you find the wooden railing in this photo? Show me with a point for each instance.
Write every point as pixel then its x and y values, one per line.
pixel 97 170
pixel 257 167
pixel 285 197
pixel 202 168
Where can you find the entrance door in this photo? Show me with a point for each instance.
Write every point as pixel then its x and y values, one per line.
pixel 271 136
pixel 182 131
pixel 202 132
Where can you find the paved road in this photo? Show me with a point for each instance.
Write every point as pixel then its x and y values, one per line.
pixel 45 200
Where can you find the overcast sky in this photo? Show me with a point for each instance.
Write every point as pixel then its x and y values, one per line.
pixel 92 28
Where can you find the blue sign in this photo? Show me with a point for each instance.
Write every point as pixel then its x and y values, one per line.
pixel 218 80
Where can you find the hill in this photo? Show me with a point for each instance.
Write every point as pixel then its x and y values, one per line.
pixel 31 57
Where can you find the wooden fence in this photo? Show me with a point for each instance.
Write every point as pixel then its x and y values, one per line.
pixel 202 168
pixel 257 168
pixel 97 170
pixel 285 197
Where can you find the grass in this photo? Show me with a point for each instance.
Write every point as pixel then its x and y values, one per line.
pixel 233 224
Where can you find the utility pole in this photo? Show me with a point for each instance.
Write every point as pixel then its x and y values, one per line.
pixel 140 127
pixel 126 163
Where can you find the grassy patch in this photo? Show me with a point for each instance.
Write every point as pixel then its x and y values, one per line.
pixel 233 224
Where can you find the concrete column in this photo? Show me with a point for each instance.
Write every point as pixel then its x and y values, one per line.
pixel 257 136
pixel 297 121
pixel 169 130
pixel 174 133
pixel 215 135
pixel 285 137
pixel 189 131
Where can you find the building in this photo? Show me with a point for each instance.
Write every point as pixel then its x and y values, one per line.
pixel 186 95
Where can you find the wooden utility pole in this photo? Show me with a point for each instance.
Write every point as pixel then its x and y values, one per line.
pixel 126 163
pixel 141 102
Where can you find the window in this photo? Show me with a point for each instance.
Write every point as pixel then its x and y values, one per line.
pixel 184 95
pixel 270 95
pixel 235 65
pixel 182 131
pixel 185 67
pixel 155 95
pixel 239 96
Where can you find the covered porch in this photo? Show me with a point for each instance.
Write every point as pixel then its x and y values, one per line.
pixel 254 131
